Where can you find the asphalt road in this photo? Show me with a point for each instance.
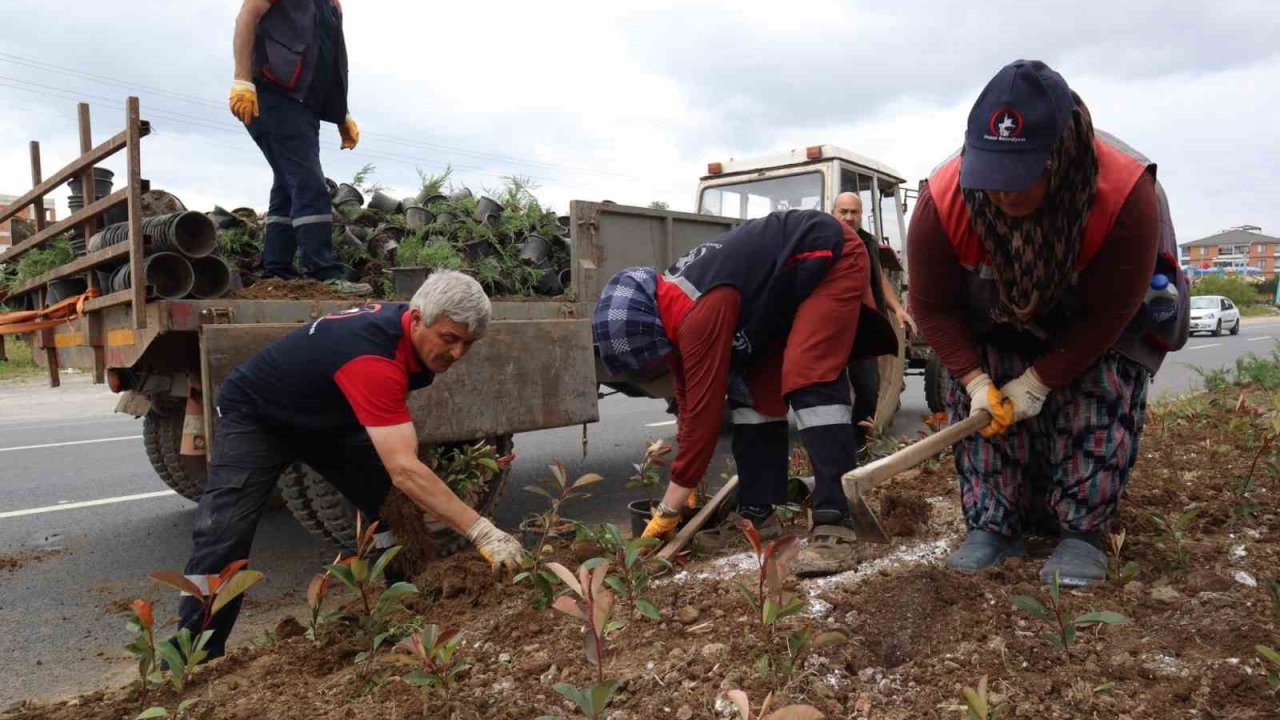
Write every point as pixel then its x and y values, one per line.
pixel 83 519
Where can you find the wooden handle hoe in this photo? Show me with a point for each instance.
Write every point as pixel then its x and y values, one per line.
pixel 695 523
pixel 861 480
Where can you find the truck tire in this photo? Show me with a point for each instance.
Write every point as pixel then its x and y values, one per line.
pixel 935 385
pixel 324 511
pixel 162 439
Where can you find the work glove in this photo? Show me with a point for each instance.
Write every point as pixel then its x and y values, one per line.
pixel 501 550
pixel 1027 393
pixel 350 132
pixel 983 395
pixel 244 101
pixel 661 527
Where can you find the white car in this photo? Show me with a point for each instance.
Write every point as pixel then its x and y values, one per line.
pixel 1213 314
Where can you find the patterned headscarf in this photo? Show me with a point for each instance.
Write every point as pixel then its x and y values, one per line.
pixel 1034 257
pixel 628 330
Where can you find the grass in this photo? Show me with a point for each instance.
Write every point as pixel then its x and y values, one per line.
pixel 1259 311
pixel 19 364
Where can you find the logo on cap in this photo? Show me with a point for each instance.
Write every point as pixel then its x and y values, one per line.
pixel 1005 125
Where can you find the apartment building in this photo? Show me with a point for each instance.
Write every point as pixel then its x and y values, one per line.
pixel 1234 250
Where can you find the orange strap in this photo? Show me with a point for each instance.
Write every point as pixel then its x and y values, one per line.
pixel 63 311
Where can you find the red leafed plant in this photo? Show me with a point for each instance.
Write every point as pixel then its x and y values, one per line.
pixel 592 603
pixel 790 712
pixel 773 562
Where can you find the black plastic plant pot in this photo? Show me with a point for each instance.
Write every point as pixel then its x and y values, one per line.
pixel 331 186
pixel 383 202
pixel 478 248
pixel 222 219
pixel 190 233
pixel 566 278
pixel 531 532
pixel 407 280
pixel 460 194
pixel 433 199
pixel 492 220
pixel 487 206
pixel 168 275
pixel 535 249
pixel 212 277
pixel 388 250
pixel 102 182
pixel 348 197
pixel 63 288
pixel 417 217
pixel 357 234
pixel 445 218
pixel 640 511
pixel 549 283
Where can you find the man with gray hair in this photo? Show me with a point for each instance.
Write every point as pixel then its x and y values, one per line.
pixel 333 394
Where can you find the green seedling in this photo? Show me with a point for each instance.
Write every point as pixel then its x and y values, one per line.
pixel 1121 571
pixel 468 468
pixel 179 711
pixel 978 705
pixel 143 647
pixel 186 649
pixel 1243 503
pixel 557 490
pixel 742 704
pixel 435 650
pixel 1173 532
pixel 1062 627
pixel 1270 664
pixel 648 475
pixel 591 602
pixel 365 580
pixel 633 570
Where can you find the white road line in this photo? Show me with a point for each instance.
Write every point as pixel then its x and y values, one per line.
pixel 85 504
pixel 664 423
pixel 1201 347
pixel 1264 337
pixel 73 442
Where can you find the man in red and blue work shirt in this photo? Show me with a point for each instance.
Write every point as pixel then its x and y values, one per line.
pixel 333 395
pixel 766 315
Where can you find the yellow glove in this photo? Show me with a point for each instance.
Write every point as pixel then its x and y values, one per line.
pixel 984 395
pixel 350 132
pixel 660 527
pixel 501 550
pixel 244 101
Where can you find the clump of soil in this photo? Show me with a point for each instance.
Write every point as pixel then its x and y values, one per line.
pixel 280 289
pixel 10 563
pixel 902 515
pixel 916 632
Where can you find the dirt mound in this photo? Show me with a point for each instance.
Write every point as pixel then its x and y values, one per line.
pixel 916 633
pixel 278 289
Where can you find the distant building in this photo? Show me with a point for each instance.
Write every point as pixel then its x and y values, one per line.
pixel 6 228
pixel 1243 250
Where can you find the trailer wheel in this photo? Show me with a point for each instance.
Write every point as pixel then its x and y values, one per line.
pixel 324 511
pixel 162 440
pixel 935 385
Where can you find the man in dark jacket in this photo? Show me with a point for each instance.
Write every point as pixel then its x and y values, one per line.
pixel 766 314
pixel 291 74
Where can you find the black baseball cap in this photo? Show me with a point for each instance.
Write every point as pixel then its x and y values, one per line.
pixel 1013 126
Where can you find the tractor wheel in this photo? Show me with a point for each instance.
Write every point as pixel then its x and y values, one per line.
pixel 162 439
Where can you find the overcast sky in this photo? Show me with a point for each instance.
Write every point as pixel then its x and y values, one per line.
pixel 629 101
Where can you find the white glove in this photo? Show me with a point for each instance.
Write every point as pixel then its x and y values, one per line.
pixel 1027 393
pixel 983 395
pixel 501 550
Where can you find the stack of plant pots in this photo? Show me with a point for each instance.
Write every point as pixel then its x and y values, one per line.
pixel 179 260
pixel 102 184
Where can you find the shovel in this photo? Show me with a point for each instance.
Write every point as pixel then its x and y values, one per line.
pixel 695 523
pixel 861 480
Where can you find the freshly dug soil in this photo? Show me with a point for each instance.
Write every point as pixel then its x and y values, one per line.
pixel 9 563
pixel 278 289
pixel 916 633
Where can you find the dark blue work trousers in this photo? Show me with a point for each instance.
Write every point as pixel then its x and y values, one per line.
pixel 300 213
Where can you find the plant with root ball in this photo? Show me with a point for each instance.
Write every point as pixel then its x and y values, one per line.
pixel 978 704
pixel 436 650
pixel 1121 571
pixel 366 580
pixel 557 490
pixel 742 705
pixel 648 475
pixel 1062 627
pixel 591 602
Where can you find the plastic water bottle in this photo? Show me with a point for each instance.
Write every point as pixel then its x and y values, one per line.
pixel 1162 298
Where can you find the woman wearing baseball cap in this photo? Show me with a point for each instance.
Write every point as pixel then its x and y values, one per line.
pixel 1032 251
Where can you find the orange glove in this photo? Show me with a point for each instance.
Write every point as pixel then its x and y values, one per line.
pixel 661 527
pixel 984 395
pixel 244 101
pixel 350 133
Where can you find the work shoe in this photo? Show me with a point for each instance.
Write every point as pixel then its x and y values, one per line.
pixel 832 547
pixel 727 535
pixel 346 287
pixel 982 549
pixel 1077 561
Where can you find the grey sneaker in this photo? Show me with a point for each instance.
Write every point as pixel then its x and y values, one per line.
pixel 982 549
pixel 346 287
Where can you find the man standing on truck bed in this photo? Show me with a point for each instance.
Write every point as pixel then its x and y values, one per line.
pixel 864 372
pixel 291 74
pixel 332 394
pixel 766 314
